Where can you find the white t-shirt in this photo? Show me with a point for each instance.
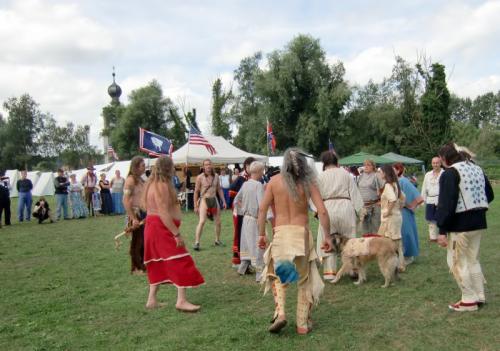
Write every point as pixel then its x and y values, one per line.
pixel 224 181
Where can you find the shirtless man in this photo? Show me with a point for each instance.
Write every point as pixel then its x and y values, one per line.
pixel 291 255
pixel 132 201
pixel 205 201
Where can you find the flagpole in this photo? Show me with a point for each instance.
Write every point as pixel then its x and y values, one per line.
pixel 267 139
pixel 187 155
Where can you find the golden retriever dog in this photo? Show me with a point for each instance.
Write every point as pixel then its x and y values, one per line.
pixel 356 254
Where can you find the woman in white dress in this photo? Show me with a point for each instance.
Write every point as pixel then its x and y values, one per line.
pixel 343 201
pixel 248 201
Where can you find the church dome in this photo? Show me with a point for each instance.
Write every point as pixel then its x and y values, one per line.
pixel 114 89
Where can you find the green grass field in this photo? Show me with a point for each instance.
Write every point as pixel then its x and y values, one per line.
pixel 64 287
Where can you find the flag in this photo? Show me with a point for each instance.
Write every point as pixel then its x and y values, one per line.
pixel 330 145
pixel 271 140
pixel 111 152
pixel 195 138
pixel 154 144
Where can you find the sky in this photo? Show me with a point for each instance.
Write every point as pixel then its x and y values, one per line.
pixel 62 52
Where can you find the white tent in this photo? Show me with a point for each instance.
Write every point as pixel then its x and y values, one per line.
pixel 277 161
pixel 45 185
pixel 13 175
pixel 122 166
pixel 226 153
pixel 34 176
pixel 103 168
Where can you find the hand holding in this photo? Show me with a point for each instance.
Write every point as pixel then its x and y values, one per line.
pixel 327 245
pixel 262 242
pixel 442 240
pixel 179 241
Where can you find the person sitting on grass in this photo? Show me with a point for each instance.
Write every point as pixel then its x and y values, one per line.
pixel 42 210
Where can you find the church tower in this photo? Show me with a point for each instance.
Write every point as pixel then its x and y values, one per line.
pixel 114 92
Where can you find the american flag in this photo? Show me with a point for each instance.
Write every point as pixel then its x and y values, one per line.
pixel 111 152
pixel 195 138
pixel 271 140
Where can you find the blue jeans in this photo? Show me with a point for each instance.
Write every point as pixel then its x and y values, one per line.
pixel 61 202
pixel 24 202
pixel 226 196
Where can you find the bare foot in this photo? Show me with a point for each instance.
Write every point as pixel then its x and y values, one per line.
pixel 138 272
pixel 154 305
pixel 187 307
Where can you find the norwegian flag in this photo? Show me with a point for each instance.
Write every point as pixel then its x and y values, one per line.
pixel 111 152
pixel 154 144
pixel 195 138
pixel 271 140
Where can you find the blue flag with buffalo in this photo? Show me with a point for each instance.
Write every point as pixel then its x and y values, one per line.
pixel 154 144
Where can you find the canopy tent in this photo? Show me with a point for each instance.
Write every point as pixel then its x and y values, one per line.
pixel 277 161
pixel 226 153
pixel 360 157
pixel 403 159
pixel 45 185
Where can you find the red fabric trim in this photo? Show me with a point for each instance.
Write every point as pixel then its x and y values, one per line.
pixel 371 235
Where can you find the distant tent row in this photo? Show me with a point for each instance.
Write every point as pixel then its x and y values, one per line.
pixel 43 182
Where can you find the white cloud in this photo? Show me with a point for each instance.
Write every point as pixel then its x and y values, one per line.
pixel 476 87
pixel 34 31
pixel 61 52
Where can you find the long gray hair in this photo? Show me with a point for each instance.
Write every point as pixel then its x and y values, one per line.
pixel 296 171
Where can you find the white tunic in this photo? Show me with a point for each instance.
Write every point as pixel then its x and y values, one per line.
pixel 248 201
pixel 342 200
pixel 430 187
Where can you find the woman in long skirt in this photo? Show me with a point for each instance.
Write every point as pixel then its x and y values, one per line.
pixel 409 231
pixel 165 256
pixel 117 184
pixel 106 201
pixel 78 207
pixel 391 202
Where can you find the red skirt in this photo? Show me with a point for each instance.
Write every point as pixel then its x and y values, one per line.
pixel 166 263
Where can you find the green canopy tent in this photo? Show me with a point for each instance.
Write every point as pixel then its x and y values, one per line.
pixel 404 160
pixel 360 157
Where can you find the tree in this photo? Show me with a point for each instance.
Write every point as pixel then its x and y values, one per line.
pixel 111 114
pixel 190 117
pixel 176 128
pixel 220 117
pixel 300 94
pixel 435 123
pixel 22 131
pixel 67 145
pixel 251 135
pixel 148 109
